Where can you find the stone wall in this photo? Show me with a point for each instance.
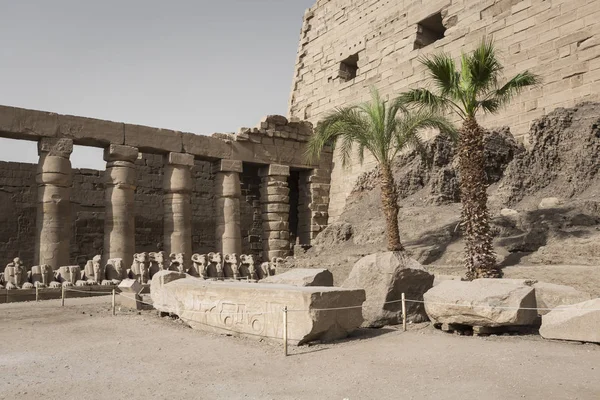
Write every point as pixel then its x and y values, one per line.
pixel 18 192
pixel 557 39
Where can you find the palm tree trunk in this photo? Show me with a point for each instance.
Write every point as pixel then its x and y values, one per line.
pixel 480 259
pixel 389 202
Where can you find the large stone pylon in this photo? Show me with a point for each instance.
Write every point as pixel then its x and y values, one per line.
pixel 53 221
pixel 228 192
pixel 177 187
pixel 119 220
pixel 275 203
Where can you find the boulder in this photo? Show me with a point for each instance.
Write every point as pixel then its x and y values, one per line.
pixel 302 277
pixel 549 295
pixel 579 322
pixel 438 278
pixel 384 277
pixel 255 310
pixel 483 302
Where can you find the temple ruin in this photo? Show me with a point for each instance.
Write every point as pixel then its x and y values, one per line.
pixel 249 193
pixel 347 47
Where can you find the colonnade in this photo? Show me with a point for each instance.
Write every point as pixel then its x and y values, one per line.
pixel 54 180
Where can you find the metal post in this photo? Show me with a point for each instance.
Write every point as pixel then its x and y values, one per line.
pixel 403 313
pixel 113 301
pixel 37 293
pixel 62 299
pixel 285 332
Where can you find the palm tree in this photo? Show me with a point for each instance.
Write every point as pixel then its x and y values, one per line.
pixel 383 129
pixel 472 89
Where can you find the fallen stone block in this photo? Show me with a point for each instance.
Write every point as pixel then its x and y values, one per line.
pixel 441 278
pixel 483 302
pixel 384 277
pixel 302 277
pixel 549 295
pixel 255 310
pixel 578 322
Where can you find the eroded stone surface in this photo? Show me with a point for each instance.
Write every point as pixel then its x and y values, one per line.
pixel 302 277
pixel 579 322
pixel 483 302
pixel 384 277
pixel 255 310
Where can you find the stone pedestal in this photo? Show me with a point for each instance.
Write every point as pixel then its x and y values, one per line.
pixel 53 220
pixel 275 199
pixel 177 187
pixel 119 220
pixel 228 192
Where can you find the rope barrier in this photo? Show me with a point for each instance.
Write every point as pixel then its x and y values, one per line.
pixel 103 293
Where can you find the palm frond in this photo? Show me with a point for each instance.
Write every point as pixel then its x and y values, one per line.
pixel 484 66
pixel 347 123
pixel 442 69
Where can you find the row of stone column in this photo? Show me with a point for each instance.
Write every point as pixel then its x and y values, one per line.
pixel 54 179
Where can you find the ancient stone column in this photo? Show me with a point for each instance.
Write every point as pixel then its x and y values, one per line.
pixel 177 185
pixel 53 221
pixel 119 219
pixel 228 192
pixel 275 199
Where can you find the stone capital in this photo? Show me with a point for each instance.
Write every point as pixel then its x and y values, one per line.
pixel 117 152
pixel 182 159
pixel 275 170
pixel 228 166
pixel 55 147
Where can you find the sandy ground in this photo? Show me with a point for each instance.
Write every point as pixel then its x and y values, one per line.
pixel 82 352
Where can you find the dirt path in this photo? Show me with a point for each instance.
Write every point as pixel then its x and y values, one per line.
pixel 82 352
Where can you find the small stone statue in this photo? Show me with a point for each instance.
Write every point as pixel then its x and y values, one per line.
pixel 43 276
pixel 177 262
pixel 114 270
pixel 157 262
pixel 231 267
pixel 68 276
pixel 215 268
pixel 15 274
pixel 247 267
pixel 268 268
pixel 200 266
pixel 94 272
pixel 140 268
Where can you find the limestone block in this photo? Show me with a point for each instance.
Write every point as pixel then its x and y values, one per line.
pixel 116 152
pixel 180 159
pixel 275 191
pixel 255 310
pixel 55 147
pixel 90 131
pixel 20 123
pixel 275 170
pixel 384 277
pixel 578 322
pixel 303 277
pixel 153 139
pixel 549 295
pixel 275 217
pixel 228 166
pixel 484 302
pixel 130 286
pixel 275 208
pixel 206 147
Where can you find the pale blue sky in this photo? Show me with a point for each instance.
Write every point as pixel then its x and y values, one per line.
pixel 198 66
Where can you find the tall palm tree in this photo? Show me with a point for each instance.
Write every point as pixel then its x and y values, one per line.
pixel 383 129
pixel 472 89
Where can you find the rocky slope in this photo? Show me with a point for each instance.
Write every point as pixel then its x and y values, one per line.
pixel 544 200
